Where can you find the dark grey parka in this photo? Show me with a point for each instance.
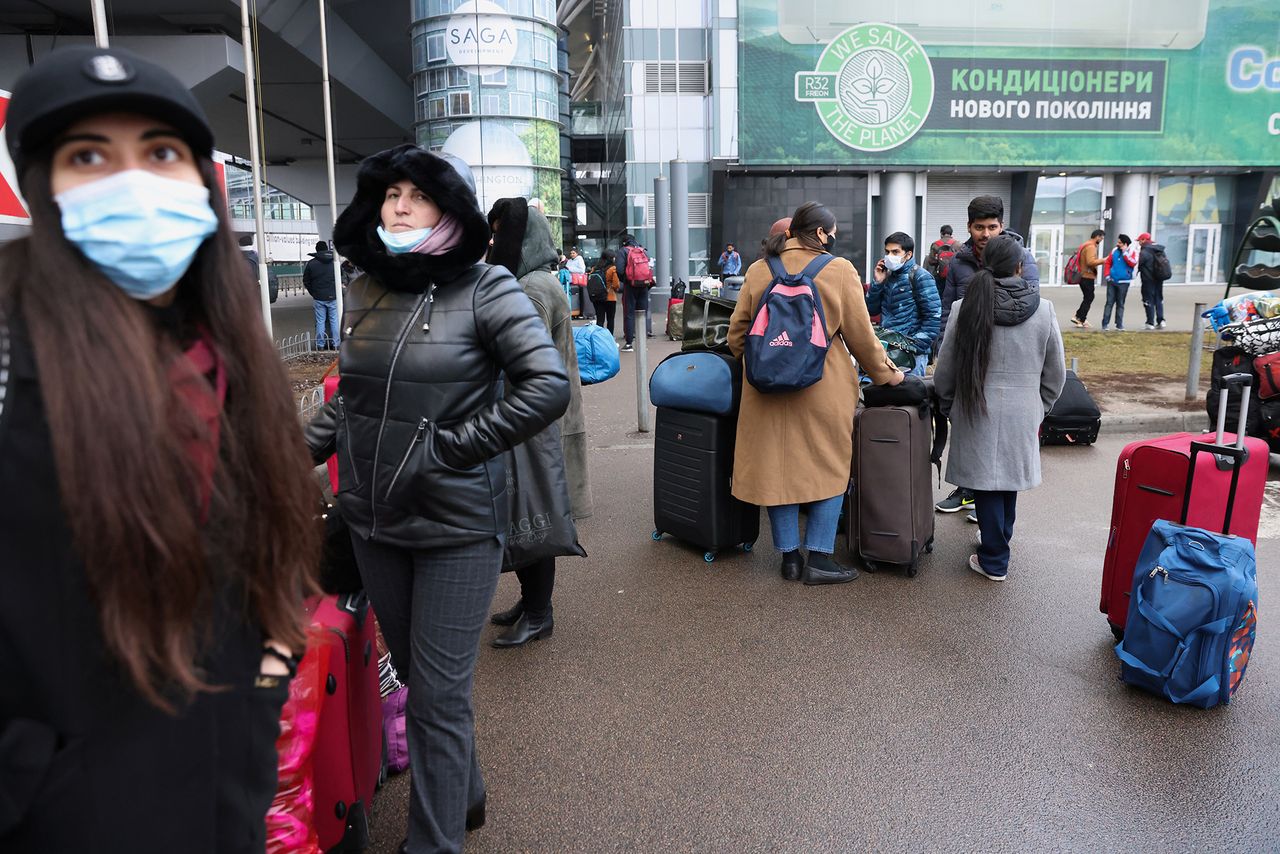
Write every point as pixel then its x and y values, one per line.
pixel 420 419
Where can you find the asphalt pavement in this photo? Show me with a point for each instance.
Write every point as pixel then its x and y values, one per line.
pixel 685 706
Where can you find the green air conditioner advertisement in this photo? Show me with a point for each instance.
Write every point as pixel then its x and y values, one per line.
pixel 1122 83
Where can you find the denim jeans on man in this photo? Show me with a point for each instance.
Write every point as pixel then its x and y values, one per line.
pixel 326 324
pixel 922 362
pixel 819 532
pixel 636 299
pixel 996 513
pixel 1116 293
pixel 1153 301
pixel 432 605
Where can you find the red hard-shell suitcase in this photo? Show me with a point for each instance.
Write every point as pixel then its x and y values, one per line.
pixel 348 750
pixel 1151 477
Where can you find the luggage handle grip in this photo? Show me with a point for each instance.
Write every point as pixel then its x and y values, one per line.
pixel 1238 456
pixel 1245 380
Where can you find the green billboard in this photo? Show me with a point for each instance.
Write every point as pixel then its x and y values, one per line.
pixel 1062 83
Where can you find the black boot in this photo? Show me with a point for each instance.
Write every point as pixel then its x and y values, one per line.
pixel 528 627
pixel 821 569
pixel 792 565
pixel 509 616
pixel 475 816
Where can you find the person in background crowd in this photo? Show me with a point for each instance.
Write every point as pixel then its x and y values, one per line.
pixel 604 275
pixel 445 364
pixel 999 373
pixel 1152 282
pixel 317 278
pixel 565 277
pixel 795 448
pixel 779 226
pixel 986 220
pixel 1090 264
pixel 576 263
pixel 635 296
pixel 251 255
pixel 157 529
pixel 730 261
pixel 522 244
pixel 906 297
pixel 1124 260
pixel 941 251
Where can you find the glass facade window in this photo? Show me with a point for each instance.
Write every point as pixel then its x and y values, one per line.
pixel 1192 215
pixel 497 78
pixel 459 103
pixel 521 104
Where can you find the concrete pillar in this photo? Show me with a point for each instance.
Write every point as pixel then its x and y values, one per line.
pixel 897 204
pixel 1131 214
pixel 680 220
pixel 662 230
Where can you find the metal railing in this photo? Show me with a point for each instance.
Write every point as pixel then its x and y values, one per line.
pixel 294 346
pixel 289 285
pixel 310 402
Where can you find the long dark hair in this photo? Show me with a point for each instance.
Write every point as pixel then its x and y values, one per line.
pixel 119 448
pixel 805 223
pixel 976 319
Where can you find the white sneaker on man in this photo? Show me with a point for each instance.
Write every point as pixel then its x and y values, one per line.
pixel 976 566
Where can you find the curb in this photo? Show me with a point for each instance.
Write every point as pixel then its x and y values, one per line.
pixel 1155 422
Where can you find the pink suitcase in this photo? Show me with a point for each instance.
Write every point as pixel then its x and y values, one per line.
pixel 347 758
pixel 1151 477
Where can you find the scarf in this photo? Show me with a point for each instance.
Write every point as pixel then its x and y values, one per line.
pixel 446 234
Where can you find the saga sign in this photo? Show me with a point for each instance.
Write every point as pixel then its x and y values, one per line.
pixel 480 37
pixel 873 87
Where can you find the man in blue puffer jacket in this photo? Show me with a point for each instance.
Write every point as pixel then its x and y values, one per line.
pixel 906 297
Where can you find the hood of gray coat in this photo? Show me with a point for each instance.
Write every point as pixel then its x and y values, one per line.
pixel 1016 301
pixel 522 240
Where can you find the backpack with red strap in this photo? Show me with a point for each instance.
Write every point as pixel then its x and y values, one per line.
pixel 787 344
pixel 639 268
pixel 944 251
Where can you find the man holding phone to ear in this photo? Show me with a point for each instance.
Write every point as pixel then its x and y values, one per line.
pixel 906 297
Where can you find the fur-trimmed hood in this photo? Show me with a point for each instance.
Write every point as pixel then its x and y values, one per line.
pixel 355 235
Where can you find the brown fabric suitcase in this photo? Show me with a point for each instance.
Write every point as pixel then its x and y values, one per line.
pixel 890 502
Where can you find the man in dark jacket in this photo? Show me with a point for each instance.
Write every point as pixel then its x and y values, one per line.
pixel 986 220
pixel 251 255
pixel 941 251
pixel 1152 281
pixel 317 278
pixel 906 297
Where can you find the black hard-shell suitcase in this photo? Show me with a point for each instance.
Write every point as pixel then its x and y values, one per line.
pixel 692 479
pixel 1075 418
pixel 890 509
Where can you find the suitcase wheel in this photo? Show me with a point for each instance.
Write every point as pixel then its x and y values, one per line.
pixel 1116 631
pixel 912 569
pixel 657 535
pixel 709 557
pixel 746 547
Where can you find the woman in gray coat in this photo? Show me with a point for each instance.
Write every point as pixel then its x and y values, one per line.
pixel 522 243
pixel 999 373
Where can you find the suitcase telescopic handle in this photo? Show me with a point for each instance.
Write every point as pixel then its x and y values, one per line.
pixel 1237 455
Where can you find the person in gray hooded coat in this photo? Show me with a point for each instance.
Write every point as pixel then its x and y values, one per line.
pixel 522 243
pixel 999 373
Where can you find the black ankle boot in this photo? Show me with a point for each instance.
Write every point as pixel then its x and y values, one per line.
pixel 475 816
pixel 509 616
pixel 527 628
pixel 821 569
pixel 792 565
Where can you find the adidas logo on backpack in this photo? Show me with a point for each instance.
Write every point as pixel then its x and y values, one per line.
pixel 787 343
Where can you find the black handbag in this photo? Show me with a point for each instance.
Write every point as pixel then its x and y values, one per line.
pixel 706 323
pixel 541 523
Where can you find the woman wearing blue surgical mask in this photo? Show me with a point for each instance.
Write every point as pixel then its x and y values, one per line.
pixel 444 364
pixel 156 530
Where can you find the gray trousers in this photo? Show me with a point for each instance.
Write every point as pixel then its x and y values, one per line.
pixel 432 605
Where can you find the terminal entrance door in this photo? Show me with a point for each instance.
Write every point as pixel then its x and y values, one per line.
pixel 1046 246
pixel 1203 245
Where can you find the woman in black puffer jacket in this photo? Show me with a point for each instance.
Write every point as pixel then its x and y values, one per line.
pixel 419 425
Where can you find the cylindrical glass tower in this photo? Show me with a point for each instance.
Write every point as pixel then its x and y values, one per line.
pixel 487 87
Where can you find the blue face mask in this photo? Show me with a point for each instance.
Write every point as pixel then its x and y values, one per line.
pixel 142 231
pixel 402 241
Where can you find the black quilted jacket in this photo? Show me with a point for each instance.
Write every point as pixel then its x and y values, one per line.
pixel 420 419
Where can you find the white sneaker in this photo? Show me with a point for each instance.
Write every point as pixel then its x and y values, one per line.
pixel 1148 326
pixel 976 566
pixel 1161 325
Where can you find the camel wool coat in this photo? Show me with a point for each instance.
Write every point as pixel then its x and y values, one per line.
pixel 797 447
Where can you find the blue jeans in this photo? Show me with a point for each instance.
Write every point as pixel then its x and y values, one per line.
pixel 922 362
pixel 326 323
pixel 819 533
pixel 432 605
pixel 996 513
pixel 1116 293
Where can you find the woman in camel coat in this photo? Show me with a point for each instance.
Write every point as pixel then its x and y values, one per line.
pixel 795 448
